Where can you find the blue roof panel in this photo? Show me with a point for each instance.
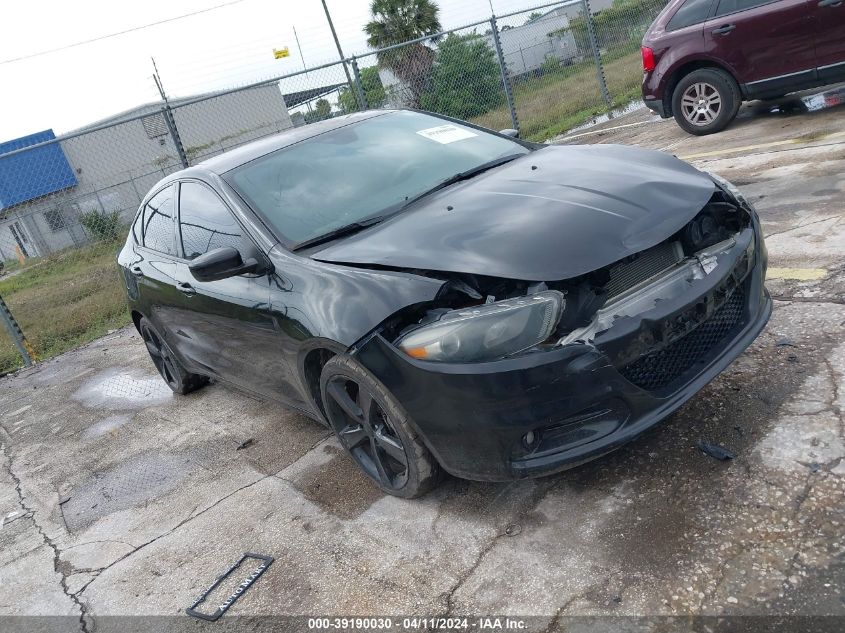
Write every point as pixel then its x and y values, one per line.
pixel 38 172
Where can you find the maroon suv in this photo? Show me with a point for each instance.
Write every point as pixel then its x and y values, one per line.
pixel 702 58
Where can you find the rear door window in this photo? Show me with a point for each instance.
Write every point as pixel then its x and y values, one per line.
pixel 692 12
pixel 205 222
pixel 732 6
pixel 158 227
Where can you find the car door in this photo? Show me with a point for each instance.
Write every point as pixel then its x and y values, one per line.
pixel 153 264
pixel 226 327
pixel 768 44
pixel 830 39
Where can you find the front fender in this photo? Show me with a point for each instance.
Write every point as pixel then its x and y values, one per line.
pixel 340 303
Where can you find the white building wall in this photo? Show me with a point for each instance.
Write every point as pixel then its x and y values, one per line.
pixel 116 167
pixel 527 46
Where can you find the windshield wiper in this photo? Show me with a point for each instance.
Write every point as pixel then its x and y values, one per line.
pixel 346 229
pixel 463 175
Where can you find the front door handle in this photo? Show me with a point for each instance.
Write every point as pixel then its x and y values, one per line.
pixel 830 3
pixel 186 288
pixel 727 28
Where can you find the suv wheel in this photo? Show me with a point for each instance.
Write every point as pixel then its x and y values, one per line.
pixel 371 425
pixel 705 101
pixel 171 370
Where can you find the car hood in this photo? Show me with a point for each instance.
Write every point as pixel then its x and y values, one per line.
pixel 556 213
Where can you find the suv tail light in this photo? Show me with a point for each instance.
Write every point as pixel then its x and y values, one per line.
pixel 648 59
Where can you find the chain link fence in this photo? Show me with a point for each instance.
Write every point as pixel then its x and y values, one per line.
pixel 66 202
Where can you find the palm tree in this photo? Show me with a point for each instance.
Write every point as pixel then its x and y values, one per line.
pixel 397 21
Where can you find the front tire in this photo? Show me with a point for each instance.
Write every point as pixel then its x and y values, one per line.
pixel 168 366
pixel 374 429
pixel 705 101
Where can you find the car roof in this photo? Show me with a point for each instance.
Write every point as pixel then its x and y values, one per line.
pixel 238 156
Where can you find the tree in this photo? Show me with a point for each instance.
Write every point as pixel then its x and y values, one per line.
pixel 373 91
pixel 536 15
pixel 322 110
pixel 466 81
pixel 397 21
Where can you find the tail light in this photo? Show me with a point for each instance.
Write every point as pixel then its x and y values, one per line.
pixel 648 59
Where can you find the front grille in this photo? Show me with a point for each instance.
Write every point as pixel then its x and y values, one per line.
pixel 660 369
pixel 645 265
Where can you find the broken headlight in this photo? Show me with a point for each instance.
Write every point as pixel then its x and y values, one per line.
pixel 731 189
pixel 486 332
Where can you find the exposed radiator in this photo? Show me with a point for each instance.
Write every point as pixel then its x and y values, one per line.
pixel 644 265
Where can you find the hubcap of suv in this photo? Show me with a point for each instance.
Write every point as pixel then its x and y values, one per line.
pixel 701 103
pixel 365 431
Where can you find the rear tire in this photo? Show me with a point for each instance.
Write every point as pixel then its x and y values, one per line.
pixel 168 366
pixel 374 429
pixel 705 101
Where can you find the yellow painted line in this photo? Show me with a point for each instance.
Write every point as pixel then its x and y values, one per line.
pixel 749 148
pixel 799 274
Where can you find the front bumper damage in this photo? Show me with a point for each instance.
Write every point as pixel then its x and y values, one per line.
pixel 597 389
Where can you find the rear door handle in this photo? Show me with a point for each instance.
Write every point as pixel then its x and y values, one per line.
pixel 186 288
pixel 136 270
pixel 727 28
pixel 830 3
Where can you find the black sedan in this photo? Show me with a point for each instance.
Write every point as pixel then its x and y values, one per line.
pixel 448 298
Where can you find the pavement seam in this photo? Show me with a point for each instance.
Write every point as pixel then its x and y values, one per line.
pixel 536 496
pixel 801 226
pixel 554 623
pixel 83 610
pixel 97 542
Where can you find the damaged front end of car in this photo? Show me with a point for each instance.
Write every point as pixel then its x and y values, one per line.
pixel 513 378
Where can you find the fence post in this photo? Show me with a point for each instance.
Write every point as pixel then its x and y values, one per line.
pixel 359 87
pixel 591 33
pixel 26 352
pixel 504 68
pixel 174 134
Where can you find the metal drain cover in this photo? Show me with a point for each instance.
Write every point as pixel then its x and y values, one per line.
pixel 117 388
pixel 131 483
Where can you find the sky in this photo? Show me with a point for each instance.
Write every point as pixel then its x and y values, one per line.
pixel 219 48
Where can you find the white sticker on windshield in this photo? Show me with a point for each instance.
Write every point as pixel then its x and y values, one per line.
pixel 446 133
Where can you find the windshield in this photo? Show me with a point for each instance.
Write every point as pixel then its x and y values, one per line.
pixel 361 171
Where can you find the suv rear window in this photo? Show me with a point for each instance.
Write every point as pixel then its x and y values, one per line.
pixel 692 12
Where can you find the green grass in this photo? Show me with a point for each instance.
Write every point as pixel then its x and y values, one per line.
pixel 558 101
pixel 64 300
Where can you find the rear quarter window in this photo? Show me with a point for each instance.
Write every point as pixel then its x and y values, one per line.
pixel 691 12
pixel 158 230
pixel 137 231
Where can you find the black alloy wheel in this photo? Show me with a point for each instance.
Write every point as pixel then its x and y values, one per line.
pixel 179 380
pixel 372 427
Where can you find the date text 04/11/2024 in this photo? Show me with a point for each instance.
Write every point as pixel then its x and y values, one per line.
pixel 422 623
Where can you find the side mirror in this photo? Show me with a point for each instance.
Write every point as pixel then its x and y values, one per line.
pixel 221 263
pixel 510 132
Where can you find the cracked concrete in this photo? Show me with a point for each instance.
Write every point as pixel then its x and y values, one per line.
pixel 118 499
pixel 58 565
